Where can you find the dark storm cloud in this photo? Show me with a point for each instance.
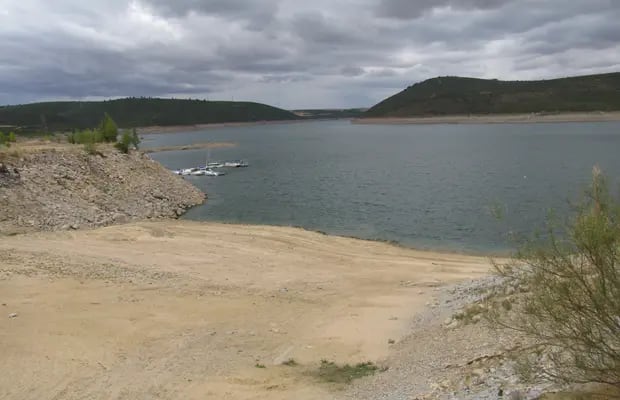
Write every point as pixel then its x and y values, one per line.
pixel 407 9
pixel 250 9
pixel 293 53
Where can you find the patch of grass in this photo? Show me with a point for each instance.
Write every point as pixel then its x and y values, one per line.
pixel 290 362
pixel 469 314
pixel 331 372
pixel 258 365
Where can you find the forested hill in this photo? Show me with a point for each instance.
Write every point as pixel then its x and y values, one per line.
pixel 456 95
pixel 136 112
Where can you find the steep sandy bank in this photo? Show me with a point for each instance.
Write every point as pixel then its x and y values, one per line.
pixel 53 186
pixel 496 118
pixel 185 310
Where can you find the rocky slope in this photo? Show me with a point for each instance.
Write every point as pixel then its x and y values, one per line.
pixel 54 187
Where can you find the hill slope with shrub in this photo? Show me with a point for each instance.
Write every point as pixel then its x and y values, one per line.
pixel 458 96
pixel 136 112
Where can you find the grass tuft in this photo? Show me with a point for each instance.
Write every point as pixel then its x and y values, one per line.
pixel 331 372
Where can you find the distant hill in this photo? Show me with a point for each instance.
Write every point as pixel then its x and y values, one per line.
pixel 136 112
pixel 330 113
pixel 456 95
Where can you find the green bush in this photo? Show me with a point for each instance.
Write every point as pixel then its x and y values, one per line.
pixel 2 138
pixel 572 304
pixel 11 137
pixel 127 141
pixel 108 129
pixel 86 136
pixel 124 143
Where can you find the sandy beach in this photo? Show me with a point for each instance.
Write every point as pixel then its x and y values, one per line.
pixel 186 310
pixel 497 118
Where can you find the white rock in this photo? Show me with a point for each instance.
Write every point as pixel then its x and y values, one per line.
pixel 13 315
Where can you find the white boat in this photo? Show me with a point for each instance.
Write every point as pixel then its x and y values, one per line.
pixel 210 172
pixel 235 164
pixel 187 171
pixel 215 165
pixel 176 171
pixel 198 172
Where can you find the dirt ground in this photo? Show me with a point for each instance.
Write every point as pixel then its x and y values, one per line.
pixel 186 310
pixel 497 118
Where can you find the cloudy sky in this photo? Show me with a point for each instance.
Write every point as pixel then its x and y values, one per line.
pixel 292 53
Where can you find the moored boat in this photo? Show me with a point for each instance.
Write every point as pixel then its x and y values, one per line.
pixel 235 164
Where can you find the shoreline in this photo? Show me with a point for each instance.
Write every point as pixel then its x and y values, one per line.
pixel 195 146
pixel 573 117
pixel 395 243
pixel 150 130
pixel 612 116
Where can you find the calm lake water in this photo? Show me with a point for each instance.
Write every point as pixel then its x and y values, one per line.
pixel 425 186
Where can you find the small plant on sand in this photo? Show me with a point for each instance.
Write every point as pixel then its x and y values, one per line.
pixel 259 365
pixel 331 372
pixel 11 138
pixel 290 362
pixel 572 305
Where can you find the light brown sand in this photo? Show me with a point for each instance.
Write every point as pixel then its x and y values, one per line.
pixel 183 310
pixel 497 118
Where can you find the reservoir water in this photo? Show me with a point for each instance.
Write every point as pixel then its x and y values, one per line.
pixel 425 186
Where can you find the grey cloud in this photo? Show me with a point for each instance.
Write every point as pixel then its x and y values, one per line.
pixel 180 8
pixel 316 28
pixel 408 9
pixel 352 71
pixel 319 54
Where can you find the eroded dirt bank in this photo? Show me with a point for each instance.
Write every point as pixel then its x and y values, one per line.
pixel 54 186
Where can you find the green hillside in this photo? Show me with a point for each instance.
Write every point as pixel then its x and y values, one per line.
pixel 135 112
pixel 456 95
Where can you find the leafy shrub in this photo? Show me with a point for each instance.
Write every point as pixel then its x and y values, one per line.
pixel 127 141
pixel 124 143
pixel 334 373
pixel 108 129
pixel 86 136
pixel 11 137
pixel 572 306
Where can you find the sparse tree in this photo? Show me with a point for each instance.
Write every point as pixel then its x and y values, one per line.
pixel 108 128
pixel 571 304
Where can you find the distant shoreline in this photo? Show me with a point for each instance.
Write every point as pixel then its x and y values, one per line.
pixel 495 119
pixel 146 130
pixel 195 146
